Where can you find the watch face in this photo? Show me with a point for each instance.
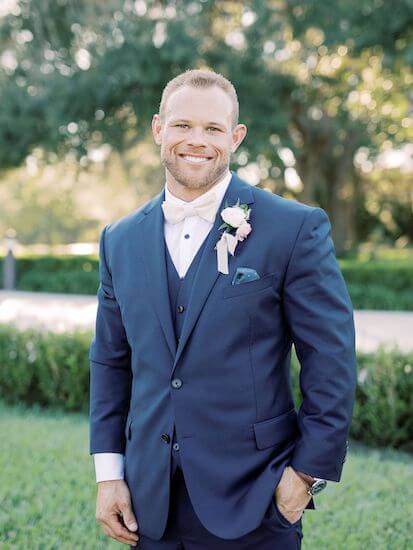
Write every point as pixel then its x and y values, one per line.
pixel 318 486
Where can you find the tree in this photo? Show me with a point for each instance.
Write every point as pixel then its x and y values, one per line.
pixel 315 84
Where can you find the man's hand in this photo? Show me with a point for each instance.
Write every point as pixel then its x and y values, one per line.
pixel 114 511
pixel 291 495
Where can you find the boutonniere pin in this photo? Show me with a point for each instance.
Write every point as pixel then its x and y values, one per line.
pixel 236 229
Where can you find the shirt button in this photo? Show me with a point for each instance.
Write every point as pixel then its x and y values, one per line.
pixel 166 438
pixel 187 236
pixel 175 446
pixel 180 309
pixel 176 383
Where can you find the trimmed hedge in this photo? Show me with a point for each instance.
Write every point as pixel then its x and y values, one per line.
pixel 45 368
pixel 386 285
pixel 52 370
pixel 65 274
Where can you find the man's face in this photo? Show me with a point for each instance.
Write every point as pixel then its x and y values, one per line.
pixel 196 138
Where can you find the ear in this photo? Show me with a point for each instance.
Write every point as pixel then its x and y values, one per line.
pixel 238 135
pixel 156 129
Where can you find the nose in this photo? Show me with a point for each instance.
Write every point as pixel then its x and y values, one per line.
pixel 196 138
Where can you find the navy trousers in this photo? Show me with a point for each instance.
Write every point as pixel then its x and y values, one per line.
pixel 184 531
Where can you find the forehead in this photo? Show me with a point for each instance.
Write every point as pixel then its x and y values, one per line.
pixel 199 105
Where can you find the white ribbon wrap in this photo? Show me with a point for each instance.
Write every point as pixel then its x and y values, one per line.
pixel 227 243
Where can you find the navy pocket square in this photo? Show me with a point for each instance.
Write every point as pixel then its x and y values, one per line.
pixel 244 275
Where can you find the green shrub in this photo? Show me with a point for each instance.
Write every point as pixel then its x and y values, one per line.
pixel 66 274
pixel 45 368
pixel 53 370
pixel 386 285
pixel 383 412
pixel 378 297
pixel 396 275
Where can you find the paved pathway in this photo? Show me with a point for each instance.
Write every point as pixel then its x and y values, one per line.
pixel 64 312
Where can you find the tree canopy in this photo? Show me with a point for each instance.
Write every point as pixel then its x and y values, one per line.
pixel 323 87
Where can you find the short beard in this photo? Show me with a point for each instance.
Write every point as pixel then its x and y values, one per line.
pixel 190 183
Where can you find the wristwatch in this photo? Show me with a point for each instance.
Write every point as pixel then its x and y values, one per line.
pixel 318 485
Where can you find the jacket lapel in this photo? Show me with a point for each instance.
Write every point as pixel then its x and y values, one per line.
pixel 154 261
pixel 207 272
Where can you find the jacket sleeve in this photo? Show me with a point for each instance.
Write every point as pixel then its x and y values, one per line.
pixel 110 368
pixel 319 313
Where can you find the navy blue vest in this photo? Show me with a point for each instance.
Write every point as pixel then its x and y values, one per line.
pixel 179 291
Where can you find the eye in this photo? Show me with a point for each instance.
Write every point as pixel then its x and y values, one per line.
pixel 180 125
pixel 213 128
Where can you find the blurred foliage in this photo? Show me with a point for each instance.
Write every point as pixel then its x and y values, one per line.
pixel 372 284
pixel 379 285
pixel 65 274
pixel 383 410
pixel 68 274
pixel 324 89
pixel 397 274
pixel 63 203
pixel 49 369
pixel 361 24
pixel 384 400
pixel 52 370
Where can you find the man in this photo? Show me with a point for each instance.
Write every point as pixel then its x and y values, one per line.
pixel 203 290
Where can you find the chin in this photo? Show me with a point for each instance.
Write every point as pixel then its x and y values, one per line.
pixel 194 179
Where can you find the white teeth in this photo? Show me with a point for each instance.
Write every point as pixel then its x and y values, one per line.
pixel 195 159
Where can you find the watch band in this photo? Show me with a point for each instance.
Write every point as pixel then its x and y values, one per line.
pixel 318 485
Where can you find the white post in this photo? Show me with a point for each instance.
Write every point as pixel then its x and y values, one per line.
pixel 9 267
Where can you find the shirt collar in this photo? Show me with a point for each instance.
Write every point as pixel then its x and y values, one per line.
pixel 219 189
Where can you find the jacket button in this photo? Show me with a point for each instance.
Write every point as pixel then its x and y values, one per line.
pixel 180 309
pixel 175 446
pixel 166 438
pixel 176 383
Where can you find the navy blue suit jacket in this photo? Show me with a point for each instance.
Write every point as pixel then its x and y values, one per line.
pixel 234 412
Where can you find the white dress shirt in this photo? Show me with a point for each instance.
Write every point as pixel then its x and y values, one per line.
pixel 110 466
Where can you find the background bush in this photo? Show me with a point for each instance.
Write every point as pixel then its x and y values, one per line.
pixel 386 285
pixel 53 370
pixel 45 368
pixel 66 274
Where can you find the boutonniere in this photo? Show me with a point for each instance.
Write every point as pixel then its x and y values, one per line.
pixel 236 229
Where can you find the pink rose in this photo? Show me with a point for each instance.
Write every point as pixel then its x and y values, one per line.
pixel 242 231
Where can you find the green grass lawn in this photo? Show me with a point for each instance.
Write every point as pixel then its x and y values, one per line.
pixel 48 491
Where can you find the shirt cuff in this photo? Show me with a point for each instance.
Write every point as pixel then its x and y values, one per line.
pixel 109 466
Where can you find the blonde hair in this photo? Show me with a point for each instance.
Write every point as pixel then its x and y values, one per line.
pixel 200 78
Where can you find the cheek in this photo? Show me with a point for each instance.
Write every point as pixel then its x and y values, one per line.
pixel 170 139
pixel 221 147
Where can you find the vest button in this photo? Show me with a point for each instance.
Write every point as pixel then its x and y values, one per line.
pixel 180 309
pixel 166 438
pixel 176 383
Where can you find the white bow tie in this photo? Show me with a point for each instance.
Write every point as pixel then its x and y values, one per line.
pixel 206 209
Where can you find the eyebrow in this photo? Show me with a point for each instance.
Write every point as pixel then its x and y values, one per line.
pixel 208 123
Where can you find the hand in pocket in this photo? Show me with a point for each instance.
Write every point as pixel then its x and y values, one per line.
pixel 291 496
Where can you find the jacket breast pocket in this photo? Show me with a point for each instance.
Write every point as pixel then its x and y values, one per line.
pixel 276 430
pixel 249 287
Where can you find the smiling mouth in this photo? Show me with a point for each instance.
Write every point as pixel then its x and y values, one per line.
pixel 194 159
